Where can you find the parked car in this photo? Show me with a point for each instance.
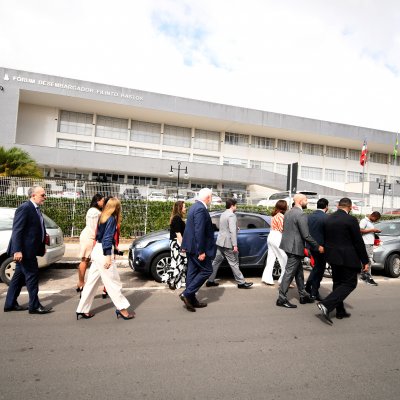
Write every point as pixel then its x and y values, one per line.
pixel 73 194
pixel 215 200
pixel 157 196
pixel 131 194
pixel 312 198
pixel 151 253
pixel 358 207
pixel 387 248
pixel 54 252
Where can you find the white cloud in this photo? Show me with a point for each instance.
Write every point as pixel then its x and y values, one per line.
pixel 337 61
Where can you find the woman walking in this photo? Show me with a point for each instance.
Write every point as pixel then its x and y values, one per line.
pixel 103 268
pixel 274 240
pixel 176 273
pixel 87 238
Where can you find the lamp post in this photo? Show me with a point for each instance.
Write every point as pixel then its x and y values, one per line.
pixel 179 169
pixel 384 185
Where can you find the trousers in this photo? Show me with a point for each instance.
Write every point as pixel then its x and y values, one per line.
pixel 294 269
pixel 233 261
pixel 197 273
pixel 274 252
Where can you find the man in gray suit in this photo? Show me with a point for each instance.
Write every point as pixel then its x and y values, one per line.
pixel 295 234
pixel 227 246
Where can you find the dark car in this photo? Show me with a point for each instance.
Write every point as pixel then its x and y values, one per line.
pixel 387 248
pixel 151 253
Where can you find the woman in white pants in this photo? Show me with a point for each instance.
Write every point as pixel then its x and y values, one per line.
pixel 103 268
pixel 274 240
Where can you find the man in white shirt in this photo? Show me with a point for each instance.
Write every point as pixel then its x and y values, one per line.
pixel 368 231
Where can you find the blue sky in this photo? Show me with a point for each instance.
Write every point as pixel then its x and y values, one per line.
pixel 337 61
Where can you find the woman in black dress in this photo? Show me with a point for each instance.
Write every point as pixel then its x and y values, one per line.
pixel 176 273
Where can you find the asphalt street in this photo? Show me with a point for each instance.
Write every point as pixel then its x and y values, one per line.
pixel 240 347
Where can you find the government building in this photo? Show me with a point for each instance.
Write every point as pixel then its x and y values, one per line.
pixel 91 131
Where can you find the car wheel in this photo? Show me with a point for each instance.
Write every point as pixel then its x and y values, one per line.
pixel 276 270
pixel 392 266
pixel 7 269
pixel 159 266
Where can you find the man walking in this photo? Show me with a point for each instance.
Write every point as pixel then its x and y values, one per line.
pixel 345 252
pixel 27 241
pixel 227 246
pixel 368 231
pixel 316 226
pixel 198 242
pixel 295 234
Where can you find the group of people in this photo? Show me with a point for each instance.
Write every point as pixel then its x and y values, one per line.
pixel 337 239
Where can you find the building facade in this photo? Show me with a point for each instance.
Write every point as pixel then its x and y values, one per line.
pixel 84 130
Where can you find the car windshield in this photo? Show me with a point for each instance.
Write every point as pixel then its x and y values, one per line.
pixel 388 228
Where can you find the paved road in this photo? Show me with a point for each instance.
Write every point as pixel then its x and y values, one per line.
pixel 240 347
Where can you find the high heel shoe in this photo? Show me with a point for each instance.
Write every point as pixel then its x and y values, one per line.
pixel 79 290
pixel 130 316
pixel 84 315
pixel 104 295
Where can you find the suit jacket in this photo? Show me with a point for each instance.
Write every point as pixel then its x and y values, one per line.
pixel 295 233
pixel 199 233
pixel 316 226
pixel 27 234
pixel 343 241
pixel 227 235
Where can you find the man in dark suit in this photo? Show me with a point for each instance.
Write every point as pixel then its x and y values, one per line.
pixel 345 251
pixel 316 226
pixel 27 241
pixel 198 242
pixel 294 236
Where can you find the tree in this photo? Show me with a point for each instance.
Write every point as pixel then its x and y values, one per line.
pixel 17 162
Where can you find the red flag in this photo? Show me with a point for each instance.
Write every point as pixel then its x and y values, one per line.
pixel 364 152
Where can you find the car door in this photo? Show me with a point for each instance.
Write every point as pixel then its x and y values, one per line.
pixel 252 239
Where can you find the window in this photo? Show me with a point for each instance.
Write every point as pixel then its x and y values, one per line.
pixel 73 145
pixel 177 136
pixel 311 173
pixel 353 176
pixel 113 128
pixel 108 148
pixel 376 177
pixel 288 146
pixel 113 178
pixel 71 175
pixel 334 175
pixel 238 162
pixel 335 152
pixel 313 149
pixel 267 166
pixel 251 222
pixel 379 158
pixel 175 156
pixel 142 180
pixel 76 123
pixel 354 154
pixel 145 132
pixel 206 140
pixel 205 159
pixel 137 152
pixel 260 142
pixel 281 169
pixel 236 139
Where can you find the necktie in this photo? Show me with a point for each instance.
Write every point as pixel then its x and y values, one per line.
pixel 41 221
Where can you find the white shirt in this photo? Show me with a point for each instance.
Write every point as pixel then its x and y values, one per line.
pixel 368 238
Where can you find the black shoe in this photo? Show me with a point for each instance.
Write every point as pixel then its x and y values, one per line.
pixel 41 310
pixel 246 285
pixel 342 314
pixel 325 312
pixel 317 297
pixel 370 281
pixel 209 284
pixel 17 307
pixel 285 304
pixel 306 300
pixel 188 304
pixel 199 304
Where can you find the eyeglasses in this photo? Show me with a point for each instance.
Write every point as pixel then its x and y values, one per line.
pixel 43 195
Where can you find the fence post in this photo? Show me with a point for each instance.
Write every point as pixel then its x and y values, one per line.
pixel 73 209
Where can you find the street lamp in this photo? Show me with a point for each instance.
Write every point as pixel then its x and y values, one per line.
pixel 179 169
pixel 383 185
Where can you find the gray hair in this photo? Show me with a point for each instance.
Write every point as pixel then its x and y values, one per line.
pixel 33 189
pixel 204 193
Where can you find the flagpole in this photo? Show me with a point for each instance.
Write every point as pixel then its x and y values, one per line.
pixel 362 196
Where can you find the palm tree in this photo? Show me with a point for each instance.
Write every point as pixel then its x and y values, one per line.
pixel 17 162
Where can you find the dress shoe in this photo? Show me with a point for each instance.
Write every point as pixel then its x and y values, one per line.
pixel 285 304
pixel 41 310
pixel 210 284
pixel 188 304
pixel 246 285
pixel 17 307
pixel 342 314
pixel 317 297
pixel 199 304
pixel 325 312
pixel 306 300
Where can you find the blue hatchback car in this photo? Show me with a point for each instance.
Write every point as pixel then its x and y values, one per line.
pixel 150 253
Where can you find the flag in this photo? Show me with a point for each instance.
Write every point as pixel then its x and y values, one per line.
pixel 364 152
pixel 395 147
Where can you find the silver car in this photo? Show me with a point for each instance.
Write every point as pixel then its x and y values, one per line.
pixel 387 248
pixel 54 252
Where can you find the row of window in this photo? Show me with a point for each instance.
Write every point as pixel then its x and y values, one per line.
pixel 147 132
